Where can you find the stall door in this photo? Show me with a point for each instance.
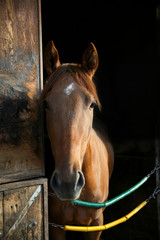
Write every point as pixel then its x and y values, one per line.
pixel 20 87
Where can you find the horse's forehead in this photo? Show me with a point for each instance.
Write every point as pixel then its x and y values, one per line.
pixel 70 88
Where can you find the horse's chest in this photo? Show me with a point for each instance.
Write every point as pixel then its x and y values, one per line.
pixel 80 215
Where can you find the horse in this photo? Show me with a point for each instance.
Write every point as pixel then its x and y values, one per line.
pixel 83 155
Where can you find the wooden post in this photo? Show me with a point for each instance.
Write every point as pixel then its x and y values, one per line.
pixel 157 141
pixel 157 148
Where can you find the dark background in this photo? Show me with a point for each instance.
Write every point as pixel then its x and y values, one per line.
pixel 126 38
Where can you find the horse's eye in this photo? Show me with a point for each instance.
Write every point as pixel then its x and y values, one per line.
pixel 92 105
pixel 46 106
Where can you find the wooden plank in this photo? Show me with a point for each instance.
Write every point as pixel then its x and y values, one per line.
pixel 1 215
pixel 36 225
pixel 157 162
pixel 21 217
pixel 157 141
pixel 21 154
pixel 22 184
pixel 25 210
pixel 14 203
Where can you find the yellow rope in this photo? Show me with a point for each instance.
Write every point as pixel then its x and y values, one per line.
pixel 107 226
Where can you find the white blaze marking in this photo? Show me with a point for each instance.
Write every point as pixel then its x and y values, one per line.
pixel 69 89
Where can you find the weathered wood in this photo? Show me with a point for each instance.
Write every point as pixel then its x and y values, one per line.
pixel 24 210
pixel 157 162
pixel 20 87
pixel 157 142
pixel 1 214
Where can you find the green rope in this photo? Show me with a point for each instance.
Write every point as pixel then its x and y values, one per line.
pixel 119 197
pixel 114 200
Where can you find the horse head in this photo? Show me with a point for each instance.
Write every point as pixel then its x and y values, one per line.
pixel 70 96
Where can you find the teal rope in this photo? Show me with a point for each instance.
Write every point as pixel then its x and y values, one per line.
pixel 114 200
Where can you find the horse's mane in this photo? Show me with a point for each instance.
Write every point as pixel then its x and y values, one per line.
pixel 79 75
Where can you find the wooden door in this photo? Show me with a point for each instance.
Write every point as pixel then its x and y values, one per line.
pixel 20 87
pixel 23 210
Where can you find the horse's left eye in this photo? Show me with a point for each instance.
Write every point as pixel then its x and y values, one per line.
pixel 92 105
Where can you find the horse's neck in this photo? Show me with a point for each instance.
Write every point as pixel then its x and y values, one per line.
pixel 92 149
pixel 96 140
pixel 99 150
pixel 95 169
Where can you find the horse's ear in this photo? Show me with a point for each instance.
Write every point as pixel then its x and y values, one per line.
pixel 51 58
pixel 90 59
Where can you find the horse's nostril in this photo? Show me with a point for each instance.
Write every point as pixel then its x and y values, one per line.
pixel 54 181
pixel 80 181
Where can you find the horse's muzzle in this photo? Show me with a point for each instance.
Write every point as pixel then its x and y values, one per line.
pixel 68 189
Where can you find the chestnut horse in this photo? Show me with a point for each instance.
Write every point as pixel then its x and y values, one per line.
pixel 83 156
